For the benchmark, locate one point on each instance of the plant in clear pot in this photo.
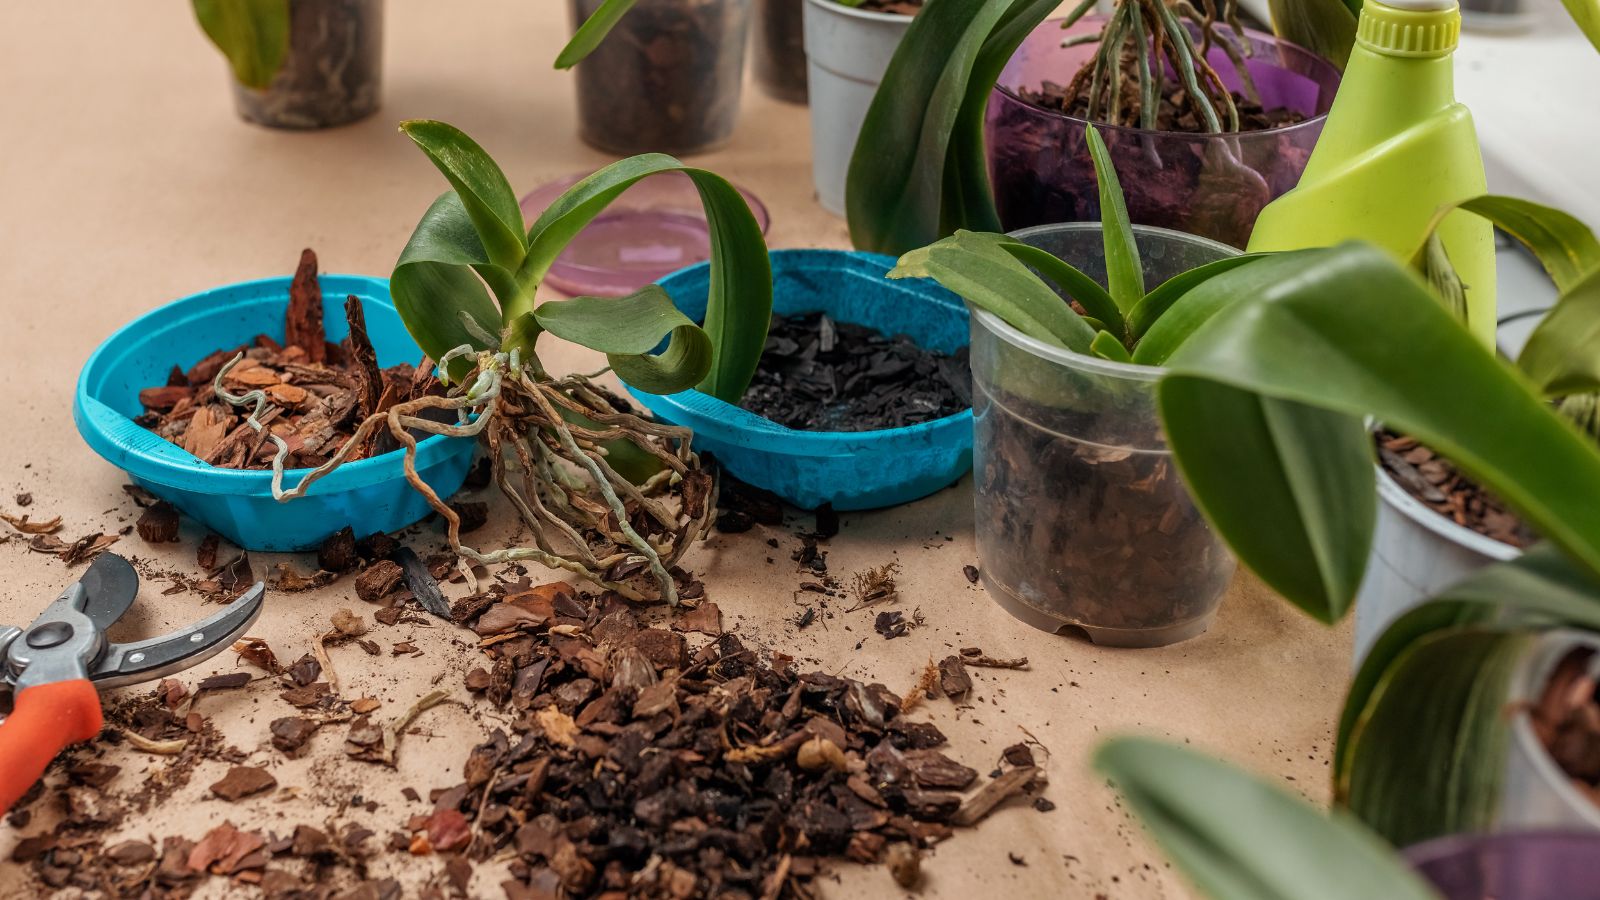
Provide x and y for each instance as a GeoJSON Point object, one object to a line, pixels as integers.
{"type": "Point", "coordinates": [663, 76]}
{"type": "Point", "coordinates": [608, 495]}
{"type": "Point", "coordinates": [299, 64]}
{"type": "Point", "coordinates": [1267, 409]}
{"type": "Point", "coordinates": [921, 169]}
{"type": "Point", "coordinates": [1083, 522]}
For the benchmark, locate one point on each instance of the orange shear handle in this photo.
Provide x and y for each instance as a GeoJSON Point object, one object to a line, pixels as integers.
{"type": "Point", "coordinates": [45, 719]}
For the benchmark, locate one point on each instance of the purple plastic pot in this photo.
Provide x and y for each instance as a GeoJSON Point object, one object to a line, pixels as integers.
{"type": "Point", "coordinates": [1529, 865]}
{"type": "Point", "coordinates": [1212, 185]}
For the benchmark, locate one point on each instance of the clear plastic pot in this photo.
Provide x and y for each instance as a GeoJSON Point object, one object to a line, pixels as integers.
{"type": "Point", "coordinates": [1213, 185]}
{"type": "Point", "coordinates": [666, 79]}
{"type": "Point", "coordinates": [779, 49]}
{"type": "Point", "coordinates": [1083, 523]}
{"type": "Point", "coordinates": [332, 73]}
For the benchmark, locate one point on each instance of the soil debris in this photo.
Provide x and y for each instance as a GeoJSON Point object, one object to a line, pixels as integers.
{"type": "Point", "coordinates": [158, 524]}
{"type": "Point", "coordinates": [243, 781]}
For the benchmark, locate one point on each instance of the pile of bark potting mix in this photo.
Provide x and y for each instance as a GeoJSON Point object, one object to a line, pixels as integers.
{"type": "Point", "coordinates": [627, 750]}
{"type": "Point", "coordinates": [318, 391]}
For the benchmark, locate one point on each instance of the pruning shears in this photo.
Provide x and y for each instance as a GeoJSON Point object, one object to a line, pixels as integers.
{"type": "Point", "coordinates": [55, 669]}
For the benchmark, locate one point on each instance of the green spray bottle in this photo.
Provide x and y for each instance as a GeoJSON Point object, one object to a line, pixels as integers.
{"type": "Point", "coordinates": [1396, 149]}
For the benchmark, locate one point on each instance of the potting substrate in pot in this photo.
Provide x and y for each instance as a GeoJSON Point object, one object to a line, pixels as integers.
{"type": "Point", "coordinates": [332, 74]}
{"type": "Point", "coordinates": [1434, 528]}
{"type": "Point", "coordinates": [156, 373]}
{"type": "Point", "coordinates": [851, 353]}
{"type": "Point", "coordinates": [666, 79]}
{"type": "Point", "coordinates": [1083, 523]}
{"type": "Point", "coordinates": [847, 51]}
{"type": "Point", "coordinates": [1177, 176]}
{"type": "Point", "coordinates": [1552, 774]}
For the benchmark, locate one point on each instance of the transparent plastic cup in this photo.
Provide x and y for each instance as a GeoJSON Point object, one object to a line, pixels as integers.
{"type": "Point", "coordinates": [666, 79]}
{"type": "Point", "coordinates": [778, 49]}
{"type": "Point", "coordinates": [1083, 523]}
{"type": "Point", "coordinates": [1213, 185]}
{"type": "Point", "coordinates": [1531, 865]}
{"type": "Point", "coordinates": [332, 73]}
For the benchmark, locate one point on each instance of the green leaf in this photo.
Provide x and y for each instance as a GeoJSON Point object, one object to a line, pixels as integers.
{"type": "Point", "coordinates": [981, 270]}
{"type": "Point", "coordinates": [1289, 486]}
{"type": "Point", "coordinates": [1156, 303]}
{"type": "Point", "coordinates": [1071, 282]}
{"type": "Point", "coordinates": [1423, 729]}
{"type": "Point", "coordinates": [593, 30]}
{"type": "Point", "coordinates": [252, 34]}
{"type": "Point", "coordinates": [1188, 309]}
{"type": "Point", "coordinates": [627, 329]}
{"type": "Point", "coordinates": [739, 302]}
{"type": "Point", "coordinates": [1238, 837]}
{"type": "Point", "coordinates": [1325, 27]}
{"type": "Point", "coordinates": [1106, 346]}
{"type": "Point", "coordinates": [1431, 751]}
{"type": "Point", "coordinates": [482, 187]}
{"type": "Point", "coordinates": [1124, 273]}
{"type": "Point", "coordinates": [918, 172]}
{"type": "Point", "coordinates": [1562, 355]}
{"type": "Point", "coordinates": [1540, 588]}
{"type": "Point", "coordinates": [433, 282]}
{"type": "Point", "coordinates": [1566, 247]}
{"type": "Point", "coordinates": [1586, 13]}
{"type": "Point", "coordinates": [1308, 336]}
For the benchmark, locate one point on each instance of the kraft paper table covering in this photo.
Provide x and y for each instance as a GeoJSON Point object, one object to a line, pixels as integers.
{"type": "Point", "coordinates": [126, 180]}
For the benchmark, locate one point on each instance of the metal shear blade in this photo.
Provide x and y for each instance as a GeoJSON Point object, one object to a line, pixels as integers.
{"type": "Point", "coordinates": [153, 658]}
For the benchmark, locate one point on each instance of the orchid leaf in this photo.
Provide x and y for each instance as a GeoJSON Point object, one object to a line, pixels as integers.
{"type": "Point", "coordinates": [1325, 27]}
{"type": "Point", "coordinates": [627, 329]}
{"type": "Point", "coordinates": [1124, 272]}
{"type": "Point", "coordinates": [1158, 302]}
{"type": "Point", "coordinates": [980, 269]}
{"type": "Point", "coordinates": [918, 172]}
{"type": "Point", "coordinates": [1072, 283]}
{"type": "Point", "coordinates": [252, 34]}
{"type": "Point", "coordinates": [739, 303]}
{"type": "Point", "coordinates": [593, 30]}
{"type": "Point", "coordinates": [1586, 13]}
{"type": "Point", "coordinates": [1562, 355]}
{"type": "Point", "coordinates": [1106, 346]}
{"type": "Point", "coordinates": [482, 187]}
{"type": "Point", "coordinates": [1301, 332]}
{"type": "Point", "coordinates": [1565, 246]}
{"type": "Point", "coordinates": [1238, 837]}
{"type": "Point", "coordinates": [433, 283]}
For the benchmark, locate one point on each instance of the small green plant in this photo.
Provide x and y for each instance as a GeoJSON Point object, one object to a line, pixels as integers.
{"type": "Point", "coordinates": [252, 34]}
{"type": "Point", "coordinates": [609, 496]}
{"type": "Point", "coordinates": [1119, 322]}
{"type": "Point", "coordinates": [593, 30]}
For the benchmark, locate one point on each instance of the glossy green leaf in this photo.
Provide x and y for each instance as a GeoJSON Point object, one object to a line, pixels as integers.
{"type": "Point", "coordinates": [1124, 272]}
{"type": "Point", "coordinates": [1106, 346]}
{"type": "Point", "coordinates": [593, 30]}
{"type": "Point", "coordinates": [1542, 588]}
{"type": "Point", "coordinates": [1192, 304]}
{"type": "Point", "coordinates": [918, 172]}
{"type": "Point", "coordinates": [1289, 486]}
{"type": "Point", "coordinates": [1071, 282]}
{"type": "Point", "coordinates": [1562, 356]}
{"type": "Point", "coordinates": [1308, 336]}
{"type": "Point", "coordinates": [978, 267]}
{"type": "Point", "coordinates": [1238, 837]}
{"type": "Point", "coordinates": [1566, 247]}
{"type": "Point", "coordinates": [1159, 301]}
{"type": "Point", "coordinates": [627, 329]}
{"type": "Point", "coordinates": [1325, 27]}
{"type": "Point", "coordinates": [739, 303]}
{"type": "Point", "coordinates": [252, 34]}
{"type": "Point", "coordinates": [482, 187]}
{"type": "Point", "coordinates": [434, 282]}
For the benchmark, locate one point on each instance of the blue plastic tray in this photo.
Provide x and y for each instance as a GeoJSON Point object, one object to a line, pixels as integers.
{"type": "Point", "coordinates": [851, 470]}
{"type": "Point", "coordinates": [369, 495]}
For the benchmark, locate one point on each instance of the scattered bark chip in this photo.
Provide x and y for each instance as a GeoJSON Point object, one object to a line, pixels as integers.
{"type": "Point", "coordinates": [243, 781]}
{"type": "Point", "coordinates": [158, 524]}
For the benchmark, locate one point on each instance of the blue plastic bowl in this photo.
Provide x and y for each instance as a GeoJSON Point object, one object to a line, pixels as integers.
{"type": "Point", "coordinates": [368, 495]}
{"type": "Point", "coordinates": [851, 470]}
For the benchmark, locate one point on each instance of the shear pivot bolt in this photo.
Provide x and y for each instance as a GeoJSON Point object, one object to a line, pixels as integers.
{"type": "Point", "coordinates": [50, 634]}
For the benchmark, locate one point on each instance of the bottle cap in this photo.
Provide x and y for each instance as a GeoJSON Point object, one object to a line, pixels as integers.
{"type": "Point", "coordinates": [1415, 28]}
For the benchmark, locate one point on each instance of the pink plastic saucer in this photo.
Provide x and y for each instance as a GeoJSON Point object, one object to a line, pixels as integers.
{"type": "Point", "coordinates": [653, 229]}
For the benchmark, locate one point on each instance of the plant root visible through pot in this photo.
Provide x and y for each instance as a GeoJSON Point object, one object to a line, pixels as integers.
{"type": "Point", "coordinates": [551, 442]}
